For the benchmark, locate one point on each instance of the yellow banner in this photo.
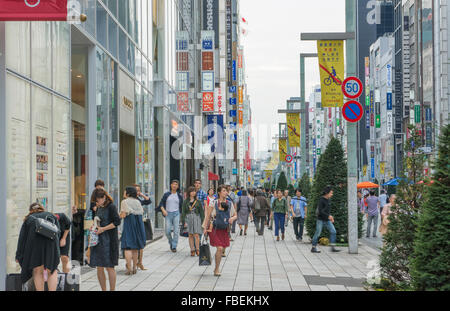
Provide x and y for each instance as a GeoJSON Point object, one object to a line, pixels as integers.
{"type": "Point", "coordinates": [282, 149]}
{"type": "Point", "coordinates": [331, 67]}
{"type": "Point", "coordinates": [382, 167]}
{"type": "Point", "coordinates": [293, 124]}
{"type": "Point", "coordinates": [364, 170]}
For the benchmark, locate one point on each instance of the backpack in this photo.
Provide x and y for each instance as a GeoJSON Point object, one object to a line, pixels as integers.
{"type": "Point", "coordinates": [222, 217]}
{"type": "Point", "coordinates": [257, 205]}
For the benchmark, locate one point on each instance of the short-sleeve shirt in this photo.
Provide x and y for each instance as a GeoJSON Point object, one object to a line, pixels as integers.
{"type": "Point", "coordinates": [202, 195]}
{"type": "Point", "coordinates": [64, 222]}
{"type": "Point", "coordinates": [173, 203]}
{"type": "Point", "coordinates": [382, 199]}
{"type": "Point", "coordinates": [372, 206]}
{"type": "Point", "coordinates": [299, 205]}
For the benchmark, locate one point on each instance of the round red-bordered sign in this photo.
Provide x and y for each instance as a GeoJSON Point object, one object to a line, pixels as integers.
{"type": "Point", "coordinates": [350, 84]}
{"type": "Point", "coordinates": [352, 111]}
{"type": "Point", "coordinates": [288, 158]}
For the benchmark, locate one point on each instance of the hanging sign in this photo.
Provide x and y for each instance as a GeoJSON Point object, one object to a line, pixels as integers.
{"type": "Point", "coordinates": [331, 67]}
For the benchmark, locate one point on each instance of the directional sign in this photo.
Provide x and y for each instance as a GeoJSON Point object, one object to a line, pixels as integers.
{"type": "Point", "coordinates": [352, 87]}
{"type": "Point", "coordinates": [352, 111]}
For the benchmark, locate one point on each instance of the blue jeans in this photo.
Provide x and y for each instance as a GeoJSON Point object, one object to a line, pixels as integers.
{"type": "Point", "coordinates": [319, 226]}
{"type": "Point", "coordinates": [279, 222]}
{"type": "Point", "coordinates": [173, 223]}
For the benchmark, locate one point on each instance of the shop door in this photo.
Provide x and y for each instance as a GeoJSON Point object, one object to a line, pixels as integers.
{"type": "Point", "coordinates": [127, 162]}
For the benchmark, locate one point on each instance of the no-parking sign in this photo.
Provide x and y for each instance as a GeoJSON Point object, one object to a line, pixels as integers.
{"type": "Point", "coordinates": [352, 87]}
{"type": "Point", "coordinates": [352, 111]}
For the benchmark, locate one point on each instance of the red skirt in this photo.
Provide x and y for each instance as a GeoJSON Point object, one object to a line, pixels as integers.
{"type": "Point", "coordinates": [219, 238]}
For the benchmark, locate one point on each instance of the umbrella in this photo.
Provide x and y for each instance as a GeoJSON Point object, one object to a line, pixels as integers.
{"type": "Point", "coordinates": [367, 184]}
{"type": "Point", "coordinates": [392, 182]}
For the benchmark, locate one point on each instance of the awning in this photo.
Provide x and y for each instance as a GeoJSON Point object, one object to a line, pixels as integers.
{"type": "Point", "coordinates": [212, 176]}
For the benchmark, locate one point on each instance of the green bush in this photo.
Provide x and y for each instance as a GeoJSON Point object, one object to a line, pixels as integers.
{"type": "Point", "coordinates": [282, 183]}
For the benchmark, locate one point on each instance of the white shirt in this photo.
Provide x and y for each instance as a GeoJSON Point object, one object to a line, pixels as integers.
{"type": "Point", "coordinates": [173, 203]}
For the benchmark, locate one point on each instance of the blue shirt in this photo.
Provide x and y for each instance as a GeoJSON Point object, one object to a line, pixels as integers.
{"type": "Point", "coordinates": [299, 205]}
{"type": "Point", "coordinates": [271, 201]}
{"type": "Point", "coordinates": [202, 195]}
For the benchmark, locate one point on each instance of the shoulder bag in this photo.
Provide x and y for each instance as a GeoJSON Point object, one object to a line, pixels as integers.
{"type": "Point", "coordinates": [46, 228]}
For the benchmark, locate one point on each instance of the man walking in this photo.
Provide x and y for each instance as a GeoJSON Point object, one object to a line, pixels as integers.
{"type": "Point", "coordinates": [324, 218]}
{"type": "Point", "coordinates": [373, 205]}
{"type": "Point", "coordinates": [298, 210]}
{"type": "Point", "coordinates": [170, 206]}
{"type": "Point", "coordinates": [202, 196]}
{"type": "Point", "coordinates": [260, 210]}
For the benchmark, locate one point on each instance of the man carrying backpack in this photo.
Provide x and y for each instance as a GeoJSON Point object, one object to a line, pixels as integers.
{"type": "Point", "coordinates": [298, 210]}
{"type": "Point", "coordinates": [260, 209]}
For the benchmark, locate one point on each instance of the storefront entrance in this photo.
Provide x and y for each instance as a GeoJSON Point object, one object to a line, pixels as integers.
{"type": "Point", "coordinates": [127, 162]}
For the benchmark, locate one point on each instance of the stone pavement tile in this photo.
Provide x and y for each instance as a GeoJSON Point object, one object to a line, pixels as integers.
{"type": "Point", "coordinates": [337, 287]}
{"type": "Point", "coordinates": [300, 288]}
{"type": "Point", "coordinates": [319, 288]}
{"type": "Point", "coordinates": [355, 289]}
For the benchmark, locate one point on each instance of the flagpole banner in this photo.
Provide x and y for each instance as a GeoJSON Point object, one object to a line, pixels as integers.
{"type": "Point", "coordinates": [293, 124]}
{"type": "Point", "coordinates": [282, 149]}
{"type": "Point", "coordinates": [331, 67]}
{"type": "Point", "coordinates": [33, 10]}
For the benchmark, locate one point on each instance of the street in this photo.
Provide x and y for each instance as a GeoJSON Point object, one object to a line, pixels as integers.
{"type": "Point", "coordinates": [253, 263]}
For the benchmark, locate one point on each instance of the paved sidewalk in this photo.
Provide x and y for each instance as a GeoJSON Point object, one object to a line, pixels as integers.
{"type": "Point", "coordinates": [253, 263]}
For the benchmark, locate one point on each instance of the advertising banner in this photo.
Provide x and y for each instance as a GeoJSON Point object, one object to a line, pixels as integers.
{"type": "Point", "coordinates": [293, 124]}
{"type": "Point", "coordinates": [182, 70]}
{"type": "Point", "coordinates": [183, 101]}
{"type": "Point", "coordinates": [208, 81]}
{"type": "Point", "coordinates": [229, 42]}
{"type": "Point", "coordinates": [215, 133]}
{"type": "Point", "coordinates": [208, 102]}
{"type": "Point", "coordinates": [282, 149]}
{"type": "Point", "coordinates": [207, 61]}
{"type": "Point", "coordinates": [37, 10]}
{"type": "Point", "coordinates": [211, 18]}
{"type": "Point", "coordinates": [331, 67]}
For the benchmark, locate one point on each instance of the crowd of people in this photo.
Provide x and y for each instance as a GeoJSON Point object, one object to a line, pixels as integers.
{"type": "Point", "coordinates": [211, 215]}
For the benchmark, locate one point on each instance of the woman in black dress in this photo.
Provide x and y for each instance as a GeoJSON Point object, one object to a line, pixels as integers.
{"type": "Point", "coordinates": [36, 253]}
{"type": "Point", "coordinates": [106, 253]}
{"type": "Point", "coordinates": [64, 241]}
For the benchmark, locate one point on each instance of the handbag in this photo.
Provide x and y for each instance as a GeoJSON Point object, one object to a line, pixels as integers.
{"type": "Point", "coordinates": [183, 231]}
{"type": "Point", "coordinates": [204, 258]}
{"type": "Point", "coordinates": [93, 233]}
{"type": "Point", "coordinates": [46, 228]}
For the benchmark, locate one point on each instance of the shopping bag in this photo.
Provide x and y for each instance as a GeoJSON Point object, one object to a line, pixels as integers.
{"type": "Point", "coordinates": [68, 282]}
{"type": "Point", "coordinates": [148, 230]}
{"type": "Point", "coordinates": [93, 233]}
{"type": "Point", "coordinates": [183, 231]}
{"type": "Point", "coordinates": [204, 259]}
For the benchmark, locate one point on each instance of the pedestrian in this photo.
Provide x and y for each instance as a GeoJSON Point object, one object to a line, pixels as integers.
{"type": "Point", "coordinates": [288, 200]}
{"type": "Point", "coordinates": [251, 195]}
{"type": "Point", "coordinates": [171, 208]}
{"type": "Point", "coordinates": [298, 209]}
{"type": "Point", "coordinates": [216, 224]}
{"type": "Point", "coordinates": [373, 205]}
{"type": "Point", "coordinates": [260, 209]}
{"type": "Point", "coordinates": [202, 196]}
{"type": "Point", "coordinates": [192, 217]}
{"type": "Point", "coordinates": [211, 197]}
{"type": "Point", "coordinates": [64, 241]}
{"type": "Point", "coordinates": [383, 201]}
{"type": "Point", "coordinates": [324, 218]}
{"type": "Point", "coordinates": [362, 207]}
{"type": "Point", "coordinates": [272, 199]}
{"type": "Point", "coordinates": [385, 214]}
{"type": "Point", "coordinates": [243, 211]}
{"type": "Point", "coordinates": [133, 235]}
{"type": "Point", "coordinates": [234, 199]}
{"type": "Point", "coordinates": [99, 184]}
{"type": "Point", "coordinates": [145, 200]}
{"type": "Point", "coordinates": [279, 212]}
{"type": "Point", "coordinates": [105, 255]}
{"type": "Point", "coordinates": [36, 253]}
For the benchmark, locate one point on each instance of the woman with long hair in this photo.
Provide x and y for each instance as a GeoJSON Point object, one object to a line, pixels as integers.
{"type": "Point", "coordinates": [36, 253]}
{"type": "Point", "coordinates": [192, 217]}
{"type": "Point", "coordinates": [105, 255]}
{"type": "Point", "coordinates": [216, 224]}
{"type": "Point", "coordinates": [243, 211]}
{"type": "Point", "coordinates": [133, 235]}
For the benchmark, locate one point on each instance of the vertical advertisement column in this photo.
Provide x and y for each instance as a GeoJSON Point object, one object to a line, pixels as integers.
{"type": "Point", "coordinates": [182, 71]}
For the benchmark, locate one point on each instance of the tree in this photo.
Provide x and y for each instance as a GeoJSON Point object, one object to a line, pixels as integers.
{"type": "Point", "coordinates": [331, 171]}
{"type": "Point", "coordinates": [291, 190]}
{"type": "Point", "coordinates": [305, 186]}
{"type": "Point", "coordinates": [399, 240]}
{"type": "Point", "coordinates": [430, 264]}
{"type": "Point", "coordinates": [282, 183]}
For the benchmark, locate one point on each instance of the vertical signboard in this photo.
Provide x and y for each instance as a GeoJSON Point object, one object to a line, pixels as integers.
{"type": "Point", "coordinates": [229, 43]}
{"type": "Point", "coordinates": [331, 67]}
{"type": "Point", "coordinates": [389, 115]}
{"type": "Point", "coordinates": [293, 124]}
{"type": "Point", "coordinates": [182, 70]}
{"type": "Point", "coordinates": [215, 133]}
{"type": "Point", "coordinates": [207, 43]}
{"type": "Point", "coordinates": [211, 18]}
{"type": "Point", "coordinates": [282, 149]}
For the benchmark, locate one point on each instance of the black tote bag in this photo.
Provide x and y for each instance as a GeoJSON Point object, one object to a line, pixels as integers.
{"type": "Point", "coordinates": [204, 259]}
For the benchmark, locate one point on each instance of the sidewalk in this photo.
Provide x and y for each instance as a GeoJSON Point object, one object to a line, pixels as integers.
{"type": "Point", "coordinates": [253, 263]}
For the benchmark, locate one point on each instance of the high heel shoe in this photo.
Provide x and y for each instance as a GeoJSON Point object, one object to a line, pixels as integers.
{"type": "Point", "coordinates": [197, 252]}
{"type": "Point", "coordinates": [141, 266]}
{"type": "Point", "coordinates": [192, 253]}
{"type": "Point", "coordinates": [129, 271]}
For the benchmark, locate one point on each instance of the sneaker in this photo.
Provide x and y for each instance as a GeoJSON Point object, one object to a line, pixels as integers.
{"type": "Point", "coordinates": [174, 250]}
{"type": "Point", "coordinates": [335, 250]}
{"type": "Point", "coordinates": [278, 238]}
{"type": "Point", "coordinates": [314, 250]}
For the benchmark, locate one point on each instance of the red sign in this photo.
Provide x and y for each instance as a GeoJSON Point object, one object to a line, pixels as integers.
{"type": "Point", "coordinates": [352, 87]}
{"type": "Point", "coordinates": [352, 111]}
{"type": "Point", "coordinates": [33, 10]}
{"type": "Point", "coordinates": [183, 102]}
{"type": "Point", "coordinates": [182, 61]}
{"type": "Point", "coordinates": [207, 61]}
{"type": "Point", "coordinates": [208, 102]}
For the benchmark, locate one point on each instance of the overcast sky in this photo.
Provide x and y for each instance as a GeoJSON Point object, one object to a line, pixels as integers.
{"type": "Point", "coordinates": [272, 52]}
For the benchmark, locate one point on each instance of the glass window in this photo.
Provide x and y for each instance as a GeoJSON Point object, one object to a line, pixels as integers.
{"type": "Point", "coordinates": [144, 72]}
{"type": "Point", "coordinates": [102, 33]}
{"type": "Point", "coordinates": [112, 6]}
{"type": "Point", "coordinates": [114, 134]}
{"type": "Point", "coordinates": [18, 47]}
{"type": "Point", "coordinates": [132, 19]}
{"type": "Point", "coordinates": [131, 57]}
{"type": "Point", "coordinates": [102, 116]}
{"type": "Point", "coordinates": [138, 23]}
{"type": "Point", "coordinates": [41, 48]}
{"type": "Point", "coordinates": [112, 36]}
{"type": "Point", "coordinates": [144, 18]}
{"type": "Point", "coordinates": [123, 13]}
{"type": "Point", "coordinates": [138, 65]}
{"type": "Point", "coordinates": [89, 7]}
{"type": "Point", "coordinates": [61, 57]}
{"type": "Point", "coordinates": [123, 47]}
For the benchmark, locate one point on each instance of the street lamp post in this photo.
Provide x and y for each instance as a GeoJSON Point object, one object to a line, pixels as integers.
{"type": "Point", "coordinates": [352, 170]}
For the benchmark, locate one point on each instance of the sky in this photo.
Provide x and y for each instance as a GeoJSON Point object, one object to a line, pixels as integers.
{"type": "Point", "coordinates": [272, 53]}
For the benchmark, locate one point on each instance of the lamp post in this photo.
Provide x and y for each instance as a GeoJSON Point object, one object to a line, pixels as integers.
{"type": "Point", "coordinates": [352, 169]}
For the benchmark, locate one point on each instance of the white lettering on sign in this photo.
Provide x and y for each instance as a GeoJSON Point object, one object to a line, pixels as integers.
{"type": "Point", "coordinates": [32, 5]}
{"type": "Point", "coordinates": [209, 15]}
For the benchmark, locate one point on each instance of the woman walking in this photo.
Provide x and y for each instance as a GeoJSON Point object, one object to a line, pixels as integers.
{"type": "Point", "coordinates": [385, 214]}
{"type": "Point", "coordinates": [211, 197]}
{"type": "Point", "coordinates": [36, 253]}
{"type": "Point", "coordinates": [133, 235]}
{"type": "Point", "coordinates": [106, 253]}
{"type": "Point", "coordinates": [243, 211]}
{"type": "Point", "coordinates": [216, 224]}
{"type": "Point", "coordinates": [64, 242]}
{"type": "Point", "coordinates": [192, 217]}
{"type": "Point", "coordinates": [280, 210]}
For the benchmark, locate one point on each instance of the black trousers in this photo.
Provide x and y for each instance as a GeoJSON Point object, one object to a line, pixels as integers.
{"type": "Point", "coordinates": [259, 224]}
{"type": "Point", "coordinates": [298, 226]}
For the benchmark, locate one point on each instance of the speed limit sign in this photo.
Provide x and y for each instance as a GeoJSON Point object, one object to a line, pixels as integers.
{"type": "Point", "coordinates": [352, 87]}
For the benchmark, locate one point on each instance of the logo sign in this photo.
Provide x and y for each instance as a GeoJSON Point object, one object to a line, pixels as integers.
{"type": "Point", "coordinates": [232, 89]}
{"type": "Point", "coordinates": [233, 101]}
{"type": "Point", "coordinates": [208, 81]}
{"type": "Point", "coordinates": [389, 75]}
{"type": "Point", "coordinates": [208, 102]}
{"type": "Point", "coordinates": [352, 111]}
{"type": "Point", "coordinates": [183, 102]}
{"type": "Point", "coordinates": [28, 3]}
{"type": "Point", "coordinates": [389, 101]}
{"type": "Point", "coordinates": [40, 10]}
{"type": "Point", "coordinates": [352, 87]}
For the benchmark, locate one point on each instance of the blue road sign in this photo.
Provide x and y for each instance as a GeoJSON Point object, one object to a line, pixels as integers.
{"type": "Point", "coordinates": [352, 111]}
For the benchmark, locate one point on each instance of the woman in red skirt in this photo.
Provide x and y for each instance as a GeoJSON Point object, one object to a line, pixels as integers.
{"type": "Point", "coordinates": [217, 219]}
